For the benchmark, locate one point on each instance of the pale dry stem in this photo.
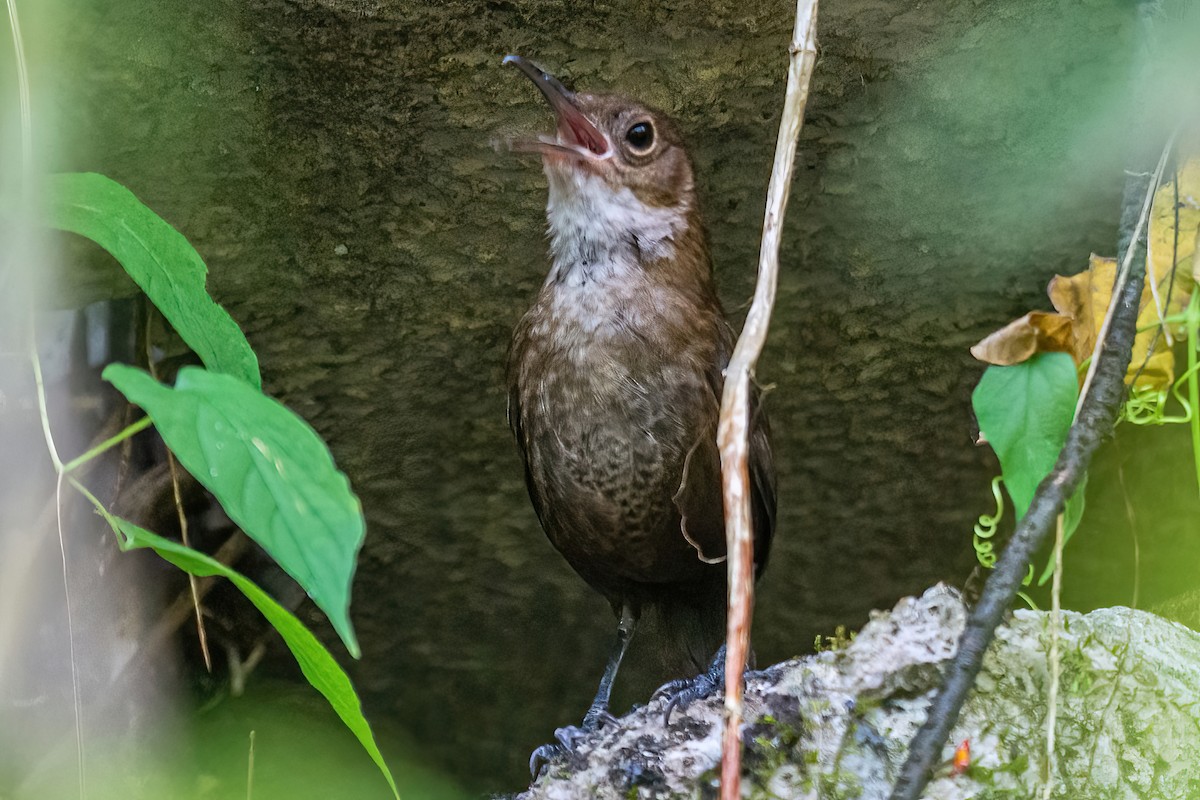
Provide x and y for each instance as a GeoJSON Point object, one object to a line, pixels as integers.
{"type": "Point", "coordinates": [1055, 660]}
{"type": "Point", "coordinates": [733, 429]}
{"type": "Point", "coordinates": [1123, 274]}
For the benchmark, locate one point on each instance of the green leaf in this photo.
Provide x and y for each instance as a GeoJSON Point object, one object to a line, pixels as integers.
{"type": "Point", "coordinates": [1024, 412]}
{"type": "Point", "coordinates": [319, 667]}
{"type": "Point", "coordinates": [269, 470]}
{"type": "Point", "coordinates": [159, 259]}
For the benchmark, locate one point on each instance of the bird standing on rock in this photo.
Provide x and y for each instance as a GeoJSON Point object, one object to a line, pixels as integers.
{"type": "Point", "coordinates": [614, 386]}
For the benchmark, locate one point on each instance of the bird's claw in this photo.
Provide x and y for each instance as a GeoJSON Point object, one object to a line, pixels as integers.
{"type": "Point", "coordinates": [542, 756]}
{"type": "Point", "coordinates": [568, 738]}
{"type": "Point", "coordinates": [671, 688]}
{"type": "Point", "coordinates": [594, 720]}
{"type": "Point", "coordinates": [679, 693]}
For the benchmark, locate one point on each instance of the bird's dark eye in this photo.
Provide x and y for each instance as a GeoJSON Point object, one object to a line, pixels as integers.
{"type": "Point", "coordinates": [640, 137]}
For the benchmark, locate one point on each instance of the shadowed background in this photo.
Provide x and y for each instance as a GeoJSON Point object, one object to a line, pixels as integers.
{"type": "Point", "coordinates": [332, 161]}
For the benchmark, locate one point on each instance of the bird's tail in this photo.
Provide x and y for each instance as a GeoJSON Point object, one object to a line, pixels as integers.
{"type": "Point", "coordinates": [691, 622]}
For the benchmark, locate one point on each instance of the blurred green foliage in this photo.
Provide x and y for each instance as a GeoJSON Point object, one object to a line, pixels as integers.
{"type": "Point", "coordinates": [301, 750]}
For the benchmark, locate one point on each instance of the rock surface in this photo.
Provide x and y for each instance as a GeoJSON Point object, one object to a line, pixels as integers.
{"type": "Point", "coordinates": [837, 724]}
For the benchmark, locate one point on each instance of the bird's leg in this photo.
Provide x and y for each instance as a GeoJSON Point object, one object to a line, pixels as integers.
{"type": "Point", "coordinates": [684, 690]}
{"type": "Point", "coordinates": [597, 715]}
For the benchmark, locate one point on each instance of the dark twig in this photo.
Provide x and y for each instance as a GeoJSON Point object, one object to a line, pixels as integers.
{"type": "Point", "coordinates": [180, 609]}
{"type": "Point", "coordinates": [1097, 415]}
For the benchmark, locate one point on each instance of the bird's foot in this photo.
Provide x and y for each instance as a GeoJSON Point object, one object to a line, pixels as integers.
{"type": "Point", "coordinates": [679, 693]}
{"type": "Point", "coordinates": [569, 737]}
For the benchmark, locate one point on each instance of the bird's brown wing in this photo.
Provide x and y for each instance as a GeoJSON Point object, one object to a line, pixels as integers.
{"type": "Point", "coordinates": [762, 479]}
{"type": "Point", "coordinates": [518, 430]}
{"type": "Point", "coordinates": [515, 422]}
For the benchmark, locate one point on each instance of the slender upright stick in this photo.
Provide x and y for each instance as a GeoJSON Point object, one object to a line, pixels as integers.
{"type": "Point", "coordinates": [733, 430]}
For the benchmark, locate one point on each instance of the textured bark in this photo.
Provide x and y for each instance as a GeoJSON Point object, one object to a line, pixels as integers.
{"type": "Point", "coordinates": [837, 724]}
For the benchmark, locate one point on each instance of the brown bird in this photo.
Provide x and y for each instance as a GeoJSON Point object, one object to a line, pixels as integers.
{"type": "Point", "coordinates": [614, 384]}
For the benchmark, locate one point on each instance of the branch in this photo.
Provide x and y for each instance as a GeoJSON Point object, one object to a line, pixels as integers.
{"type": "Point", "coordinates": [733, 428]}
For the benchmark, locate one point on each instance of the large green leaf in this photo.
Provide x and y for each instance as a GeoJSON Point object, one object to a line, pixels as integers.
{"type": "Point", "coordinates": [1024, 412]}
{"type": "Point", "coordinates": [159, 259]}
{"type": "Point", "coordinates": [269, 470]}
{"type": "Point", "coordinates": [319, 667]}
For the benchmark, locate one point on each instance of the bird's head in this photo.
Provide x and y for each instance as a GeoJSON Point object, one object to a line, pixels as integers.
{"type": "Point", "coordinates": [617, 168]}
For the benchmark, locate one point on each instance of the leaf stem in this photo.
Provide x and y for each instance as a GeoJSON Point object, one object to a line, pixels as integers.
{"type": "Point", "coordinates": [83, 490]}
{"type": "Point", "coordinates": [1162, 323]}
{"type": "Point", "coordinates": [41, 397]}
{"type": "Point", "coordinates": [26, 121]}
{"type": "Point", "coordinates": [76, 696]}
{"type": "Point", "coordinates": [107, 444]}
{"type": "Point", "coordinates": [1054, 658]}
{"type": "Point", "coordinates": [22, 93]}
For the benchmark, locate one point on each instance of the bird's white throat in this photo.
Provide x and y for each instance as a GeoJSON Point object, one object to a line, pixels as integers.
{"type": "Point", "coordinates": [599, 233]}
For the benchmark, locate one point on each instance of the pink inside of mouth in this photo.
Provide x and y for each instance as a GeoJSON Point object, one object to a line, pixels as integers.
{"type": "Point", "coordinates": [576, 129]}
{"type": "Point", "coordinates": [577, 139]}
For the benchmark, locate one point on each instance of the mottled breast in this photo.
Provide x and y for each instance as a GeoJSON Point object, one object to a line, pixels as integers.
{"type": "Point", "coordinates": [611, 396]}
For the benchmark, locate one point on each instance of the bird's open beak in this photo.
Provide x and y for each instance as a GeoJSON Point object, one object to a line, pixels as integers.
{"type": "Point", "coordinates": [577, 136]}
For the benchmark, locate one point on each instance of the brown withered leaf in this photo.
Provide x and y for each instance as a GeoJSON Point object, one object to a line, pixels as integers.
{"type": "Point", "coordinates": [1166, 251]}
{"type": "Point", "coordinates": [1036, 332]}
{"type": "Point", "coordinates": [1081, 301]}
{"type": "Point", "coordinates": [1085, 298]}
{"type": "Point", "coordinates": [1072, 296]}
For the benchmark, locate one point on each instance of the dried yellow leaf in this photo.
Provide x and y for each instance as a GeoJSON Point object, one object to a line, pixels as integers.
{"type": "Point", "coordinates": [1166, 250]}
{"type": "Point", "coordinates": [1082, 300]}
{"type": "Point", "coordinates": [1072, 297]}
{"type": "Point", "coordinates": [1036, 332]}
{"type": "Point", "coordinates": [1152, 364]}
